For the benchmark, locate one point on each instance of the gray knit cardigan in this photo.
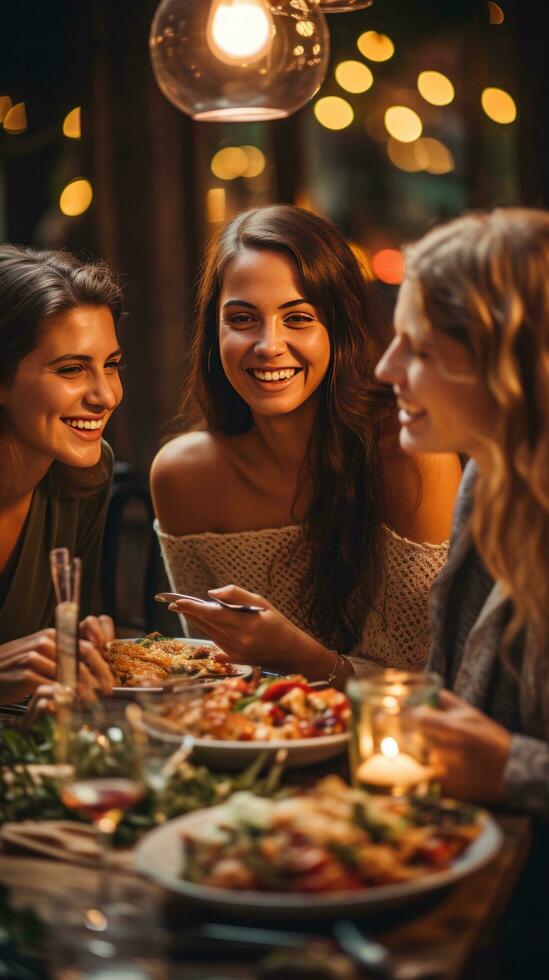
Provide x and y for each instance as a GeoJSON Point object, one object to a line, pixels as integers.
{"type": "Point", "coordinates": [526, 775]}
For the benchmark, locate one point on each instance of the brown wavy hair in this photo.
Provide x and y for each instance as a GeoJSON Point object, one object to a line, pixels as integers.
{"type": "Point", "coordinates": [342, 472]}
{"type": "Point", "coordinates": [485, 281]}
{"type": "Point", "coordinates": [35, 285]}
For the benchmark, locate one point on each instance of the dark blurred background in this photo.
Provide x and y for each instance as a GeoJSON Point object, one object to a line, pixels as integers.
{"type": "Point", "coordinates": [154, 183]}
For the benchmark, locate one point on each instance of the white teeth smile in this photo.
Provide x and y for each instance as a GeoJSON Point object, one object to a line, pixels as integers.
{"type": "Point", "coordinates": [84, 423]}
{"type": "Point", "coordinates": [280, 375]}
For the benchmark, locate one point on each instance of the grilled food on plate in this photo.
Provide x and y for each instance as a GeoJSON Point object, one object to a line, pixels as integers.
{"type": "Point", "coordinates": [155, 657]}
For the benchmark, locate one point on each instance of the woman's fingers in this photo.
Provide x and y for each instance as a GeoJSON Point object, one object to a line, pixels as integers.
{"type": "Point", "coordinates": [97, 629]}
{"type": "Point", "coordinates": [98, 668]}
{"type": "Point", "coordinates": [447, 700]}
{"type": "Point", "coordinates": [233, 593]}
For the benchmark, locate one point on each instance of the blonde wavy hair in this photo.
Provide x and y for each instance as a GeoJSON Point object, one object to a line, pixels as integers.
{"type": "Point", "coordinates": [485, 281]}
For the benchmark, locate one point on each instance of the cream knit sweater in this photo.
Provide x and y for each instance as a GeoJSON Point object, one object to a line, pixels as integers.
{"type": "Point", "coordinates": [272, 562]}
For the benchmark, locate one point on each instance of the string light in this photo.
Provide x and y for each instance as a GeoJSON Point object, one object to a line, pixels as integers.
{"type": "Point", "coordinates": [5, 106]}
{"type": "Point", "coordinates": [499, 105]}
{"type": "Point", "coordinates": [354, 76]}
{"type": "Point", "coordinates": [435, 87]}
{"type": "Point", "coordinates": [333, 112]}
{"type": "Point", "coordinates": [72, 127]}
{"type": "Point", "coordinates": [375, 46]}
{"type": "Point", "coordinates": [76, 197]}
{"type": "Point", "coordinates": [403, 123]}
{"type": "Point", "coordinates": [15, 120]}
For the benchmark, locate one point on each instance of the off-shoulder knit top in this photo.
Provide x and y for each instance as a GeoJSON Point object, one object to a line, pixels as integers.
{"type": "Point", "coordinates": [272, 562]}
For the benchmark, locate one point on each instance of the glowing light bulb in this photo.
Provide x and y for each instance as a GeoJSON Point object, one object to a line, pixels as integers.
{"type": "Point", "coordinates": [389, 747]}
{"type": "Point", "coordinates": [239, 31]}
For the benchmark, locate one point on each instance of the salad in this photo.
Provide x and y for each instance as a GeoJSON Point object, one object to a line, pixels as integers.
{"type": "Point", "coordinates": [328, 838]}
{"type": "Point", "coordinates": [280, 708]}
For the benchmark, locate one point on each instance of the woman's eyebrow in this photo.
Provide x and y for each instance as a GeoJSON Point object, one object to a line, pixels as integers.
{"type": "Point", "coordinates": [251, 306]}
{"type": "Point", "coordinates": [81, 357]}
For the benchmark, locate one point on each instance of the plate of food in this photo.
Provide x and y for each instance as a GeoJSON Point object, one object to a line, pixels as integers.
{"type": "Point", "coordinates": [328, 850]}
{"type": "Point", "coordinates": [233, 721]}
{"type": "Point", "coordinates": [148, 662]}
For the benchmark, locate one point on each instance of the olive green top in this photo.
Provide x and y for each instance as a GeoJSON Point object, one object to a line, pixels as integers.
{"type": "Point", "coordinates": [55, 520]}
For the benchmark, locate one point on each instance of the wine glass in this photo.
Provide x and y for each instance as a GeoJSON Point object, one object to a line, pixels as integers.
{"type": "Point", "coordinates": [163, 749]}
{"type": "Point", "coordinates": [100, 771]}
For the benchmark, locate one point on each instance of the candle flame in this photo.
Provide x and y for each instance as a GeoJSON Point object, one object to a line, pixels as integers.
{"type": "Point", "coordinates": [389, 747]}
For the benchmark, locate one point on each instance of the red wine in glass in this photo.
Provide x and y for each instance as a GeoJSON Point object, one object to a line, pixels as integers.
{"type": "Point", "coordinates": [98, 797]}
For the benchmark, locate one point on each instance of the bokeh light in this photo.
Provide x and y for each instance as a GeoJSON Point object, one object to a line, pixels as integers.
{"type": "Point", "coordinates": [495, 13]}
{"type": "Point", "coordinates": [76, 197]}
{"type": "Point", "coordinates": [256, 161]}
{"type": "Point", "coordinates": [438, 159]}
{"type": "Point", "coordinates": [229, 163]}
{"type": "Point", "coordinates": [403, 123]}
{"type": "Point", "coordinates": [405, 156]}
{"type": "Point", "coordinates": [435, 87]}
{"type": "Point", "coordinates": [375, 47]}
{"type": "Point", "coordinates": [72, 124]}
{"type": "Point", "coordinates": [5, 106]}
{"type": "Point", "coordinates": [354, 76]}
{"type": "Point", "coordinates": [388, 266]}
{"type": "Point", "coordinates": [499, 105]}
{"type": "Point", "coordinates": [15, 120]}
{"type": "Point", "coordinates": [216, 205]}
{"type": "Point", "coordinates": [333, 112]}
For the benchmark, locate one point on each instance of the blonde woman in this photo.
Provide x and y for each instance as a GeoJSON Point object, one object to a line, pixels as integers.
{"type": "Point", "coordinates": [469, 365]}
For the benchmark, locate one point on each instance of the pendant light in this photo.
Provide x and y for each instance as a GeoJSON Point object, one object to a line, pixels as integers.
{"type": "Point", "coordinates": [239, 60]}
{"type": "Point", "coordinates": [342, 6]}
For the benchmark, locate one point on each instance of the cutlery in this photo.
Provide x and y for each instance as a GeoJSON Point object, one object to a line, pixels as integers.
{"type": "Point", "coordinates": [235, 606]}
{"type": "Point", "coordinates": [363, 951]}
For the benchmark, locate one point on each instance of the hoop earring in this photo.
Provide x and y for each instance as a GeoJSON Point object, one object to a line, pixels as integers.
{"type": "Point", "coordinates": [209, 361]}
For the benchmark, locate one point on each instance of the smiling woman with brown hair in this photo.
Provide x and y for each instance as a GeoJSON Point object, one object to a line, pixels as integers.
{"type": "Point", "coordinates": [59, 384]}
{"type": "Point", "coordinates": [292, 483]}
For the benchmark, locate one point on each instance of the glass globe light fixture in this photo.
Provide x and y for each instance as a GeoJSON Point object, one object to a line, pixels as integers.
{"type": "Point", "coordinates": [342, 6]}
{"type": "Point", "coordinates": [239, 60]}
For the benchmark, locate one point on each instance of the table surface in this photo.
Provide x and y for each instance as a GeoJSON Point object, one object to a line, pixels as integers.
{"type": "Point", "coordinates": [436, 939]}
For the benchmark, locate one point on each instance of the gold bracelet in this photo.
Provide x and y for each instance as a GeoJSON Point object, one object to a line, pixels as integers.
{"type": "Point", "coordinates": [338, 659]}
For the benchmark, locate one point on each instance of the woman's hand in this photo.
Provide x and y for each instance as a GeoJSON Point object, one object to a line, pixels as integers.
{"type": "Point", "coordinates": [267, 638]}
{"type": "Point", "coordinates": [97, 629]}
{"type": "Point", "coordinates": [30, 661]}
{"type": "Point", "coordinates": [25, 664]}
{"type": "Point", "coordinates": [471, 748]}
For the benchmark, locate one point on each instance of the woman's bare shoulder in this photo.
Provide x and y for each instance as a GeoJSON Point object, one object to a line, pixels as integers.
{"type": "Point", "coordinates": [420, 493]}
{"type": "Point", "coordinates": [185, 477]}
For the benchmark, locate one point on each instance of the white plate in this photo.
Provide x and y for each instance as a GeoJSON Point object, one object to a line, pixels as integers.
{"type": "Point", "coordinates": [237, 755]}
{"type": "Point", "coordinates": [238, 670]}
{"type": "Point", "coordinates": [160, 856]}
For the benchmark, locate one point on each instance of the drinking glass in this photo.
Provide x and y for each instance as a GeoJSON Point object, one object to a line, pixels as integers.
{"type": "Point", "coordinates": [163, 750]}
{"type": "Point", "coordinates": [388, 751]}
{"type": "Point", "coordinates": [100, 771]}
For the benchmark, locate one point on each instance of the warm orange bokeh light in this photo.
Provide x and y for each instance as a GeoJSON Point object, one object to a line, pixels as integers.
{"type": "Point", "coordinates": [388, 266]}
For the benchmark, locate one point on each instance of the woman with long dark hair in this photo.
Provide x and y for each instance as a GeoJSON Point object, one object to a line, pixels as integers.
{"type": "Point", "coordinates": [292, 483]}
{"type": "Point", "coordinates": [59, 384]}
{"type": "Point", "coordinates": [470, 368]}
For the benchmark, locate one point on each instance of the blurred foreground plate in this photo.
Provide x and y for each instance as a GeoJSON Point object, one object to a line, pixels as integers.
{"type": "Point", "coordinates": [160, 855]}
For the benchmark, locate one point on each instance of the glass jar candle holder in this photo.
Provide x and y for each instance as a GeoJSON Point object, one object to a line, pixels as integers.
{"type": "Point", "coordinates": [388, 751]}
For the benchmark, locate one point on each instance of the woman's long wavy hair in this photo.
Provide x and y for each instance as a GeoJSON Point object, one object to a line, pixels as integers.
{"type": "Point", "coordinates": [485, 281]}
{"type": "Point", "coordinates": [342, 472]}
{"type": "Point", "coordinates": [36, 285]}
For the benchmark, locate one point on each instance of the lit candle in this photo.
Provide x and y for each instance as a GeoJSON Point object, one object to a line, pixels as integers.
{"type": "Point", "coordinates": [391, 768]}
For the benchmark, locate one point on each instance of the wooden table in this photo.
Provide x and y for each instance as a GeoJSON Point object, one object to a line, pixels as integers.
{"type": "Point", "coordinates": [436, 939]}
